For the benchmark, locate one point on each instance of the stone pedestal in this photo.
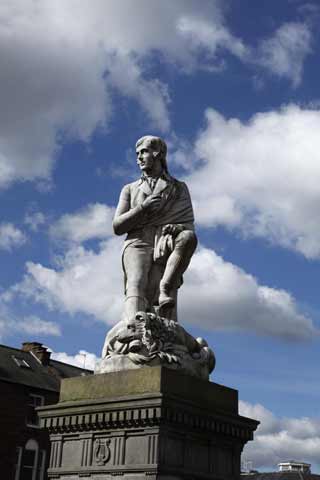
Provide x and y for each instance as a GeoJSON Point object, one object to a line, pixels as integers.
{"type": "Point", "coordinates": [148, 423]}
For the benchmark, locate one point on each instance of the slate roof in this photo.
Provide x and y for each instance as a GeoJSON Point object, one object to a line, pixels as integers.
{"type": "Point", "coordinates": [280, 476]}
{"type": "Point", "coordinates": [46, 377]}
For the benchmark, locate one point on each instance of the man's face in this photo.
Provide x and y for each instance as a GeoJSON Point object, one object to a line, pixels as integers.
{"type": "Point", "coordinates": [145, 158]}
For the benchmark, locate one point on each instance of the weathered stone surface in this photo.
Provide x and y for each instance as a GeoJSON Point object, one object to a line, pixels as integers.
{"type": "Point", "coordinates": [152, 421]}
{"type": "Point", "coordinates": [140, 419]}
{"type": "Point", "coordinates": [153, 340]}
{"type": "Point", "coordinates": [156, 214]}
{"type": "Point", "coordinates": [150, 380]}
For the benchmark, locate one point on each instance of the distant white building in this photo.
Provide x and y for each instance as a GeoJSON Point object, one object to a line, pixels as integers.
{"type": "Point", "coordinates": [293, 466]}
{"type": "Point", "coordinates": [290, 470]}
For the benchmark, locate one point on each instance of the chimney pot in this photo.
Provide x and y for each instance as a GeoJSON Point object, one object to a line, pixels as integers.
{"type": "Point", "coordinates": [38, 350]}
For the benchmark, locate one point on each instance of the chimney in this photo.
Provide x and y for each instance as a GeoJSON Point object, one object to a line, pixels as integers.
{"type": "Point", "coordinates": [37, 349]}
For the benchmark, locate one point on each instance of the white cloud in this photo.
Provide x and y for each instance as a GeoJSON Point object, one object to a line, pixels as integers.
{"type": "Point", "coordinates": [11, 237]}
{"type": "Point", "coordinates": [279, 439]}
{"type": "Point", "coordinates": [202, 34]}
{"type": "Point", "coordinates": [33, 219]}
{"type": "Point", "coordinates": [11, 324]}
{"type": "Point", "coordinates": [282, 53]}
{"type": "Point", "coordinates": [216, 294]}
{"type": "Point", "coordinates": [285, 51]}
{"type": "Point", "coordinates": [219, 295]}
{"type": "Point", "coordinates": [52, 83]}
{"type": "Point", "coordinates": [261, 177]}
{"type": "Point", "coordinates": [62, 61]}
{"type": "Point", "coordinates": [93, 221]}
{"type": "Point", "coordinates": [83, 359]}
{"type": "Point", "coordinates": [33, 325]}
{"type": "Point", "coordinates": [84, 281]}
{"type": "Point", "coordinates": [127, 76]}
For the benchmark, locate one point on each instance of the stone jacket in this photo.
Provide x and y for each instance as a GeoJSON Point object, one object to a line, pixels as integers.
{"type": "Point", "coordinates": [144, 228]}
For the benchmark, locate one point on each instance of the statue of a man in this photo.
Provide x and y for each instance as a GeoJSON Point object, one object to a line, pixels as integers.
{"type": "Point", "coordinates": [156, 214]}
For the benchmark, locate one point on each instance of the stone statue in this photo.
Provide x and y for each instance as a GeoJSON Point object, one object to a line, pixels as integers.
{"type": "Point", "coordinates": [155, 212]}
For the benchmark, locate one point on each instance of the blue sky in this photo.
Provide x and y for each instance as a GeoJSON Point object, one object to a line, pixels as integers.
{"type": "Point", "coordinates": [233, 89]}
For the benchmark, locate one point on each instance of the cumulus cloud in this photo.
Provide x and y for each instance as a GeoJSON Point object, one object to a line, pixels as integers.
{"type": "Point", "coordinates": [216, 294]}
{"type": "Point", "coordinates": [285, 51]}
{"type": "Point", "coordinates": [82, 359]}
{"type": "Point", "coordinates": [44, 88]}
{"type": "Point", "coordinates": [63, 61]}
{"type": "Point", "coordinates": [84, 281]}
{"type": "Point", "coordinates": [11, 237]}
{"type": "Point", "coordinates": [261, 176]}
{"type": "Point", "coordinates": [210, 37]}
{"type": "Point", "coordinates": [282, 53]}
{"type": "Point", "coordinates": [11, 324]}
{"type": "Point", "coordinates": [219, 295]}
{"type": "Point", "coordinates": [279, 439]}
{"type": "Point", "coordinates": [93, 221]}
{"type": "Point", "coordinates": [34, 219]}
{"type": "Point", "coordinates": [34, 325]}
{"type": "Point", "coordinates": [152, 95]}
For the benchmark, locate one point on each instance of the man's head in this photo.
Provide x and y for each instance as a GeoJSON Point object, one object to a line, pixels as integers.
{"type": "Point", "coordinates": [154, 146]}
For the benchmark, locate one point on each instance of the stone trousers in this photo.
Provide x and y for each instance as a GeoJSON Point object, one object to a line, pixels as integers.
{"type": "Point", "coordinates": [143, 275]}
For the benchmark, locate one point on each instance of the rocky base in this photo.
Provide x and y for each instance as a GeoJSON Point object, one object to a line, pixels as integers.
{"type": "Point", "coordinates": [153, 340]}
{"type": "Point", "coordinates": [186, 365]}
{"type": "Point", "coordinates": [147, 422]}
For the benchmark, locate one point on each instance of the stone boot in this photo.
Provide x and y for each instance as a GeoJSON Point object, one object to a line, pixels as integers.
{"type": "Point", "coordinates": [165, 300]}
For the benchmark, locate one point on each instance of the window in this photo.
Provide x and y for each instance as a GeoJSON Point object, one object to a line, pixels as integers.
{"type": "Point", "coordinates": [17, 463]}
{"type": "Point", "coordinates": [28, 464]}
{"type": "Point", "coordinates": [41, 465]}
{"type": "Point", "coordinates": [21, 362]}
{"type": "Point", "coordinates": [32, 416]}
{"type": "Point", "coordinates": [29, 461]}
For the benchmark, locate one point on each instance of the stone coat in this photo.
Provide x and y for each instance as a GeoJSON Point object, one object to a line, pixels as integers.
{"type": "Point", "coordinates": [145, 230]}
{"type": "Point", "coordinates": [175, 208]}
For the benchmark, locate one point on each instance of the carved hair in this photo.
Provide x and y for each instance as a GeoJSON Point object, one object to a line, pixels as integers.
{"type": "Point", "coordinates": [158, 146]}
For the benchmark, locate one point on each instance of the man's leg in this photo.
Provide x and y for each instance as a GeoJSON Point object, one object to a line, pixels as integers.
{"type": "Point", "coordinates": [137, 262]}
{"type": "Point", "coordinates": [178, 261]}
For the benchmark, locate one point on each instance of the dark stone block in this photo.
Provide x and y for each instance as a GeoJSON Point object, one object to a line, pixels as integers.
{"type": "Point", "coordinates": [150, 422]}
{"type": "Point", "coordinates": [150, 380]}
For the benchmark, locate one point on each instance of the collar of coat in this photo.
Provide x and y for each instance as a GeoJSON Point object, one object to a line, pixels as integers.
{"type": "Point", "coordinates": [162, 183]}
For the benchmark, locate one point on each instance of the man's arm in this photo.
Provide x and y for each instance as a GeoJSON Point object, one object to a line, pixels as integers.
{"type": "Point", "coordinates": [126, 218]}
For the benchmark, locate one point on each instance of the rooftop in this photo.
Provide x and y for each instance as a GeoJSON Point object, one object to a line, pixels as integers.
{"type": "Point", "coordinates": [32, 366]}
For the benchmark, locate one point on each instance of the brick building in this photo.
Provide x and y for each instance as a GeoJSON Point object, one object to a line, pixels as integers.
{"type": "Point", "coordinates": [28, 378]}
